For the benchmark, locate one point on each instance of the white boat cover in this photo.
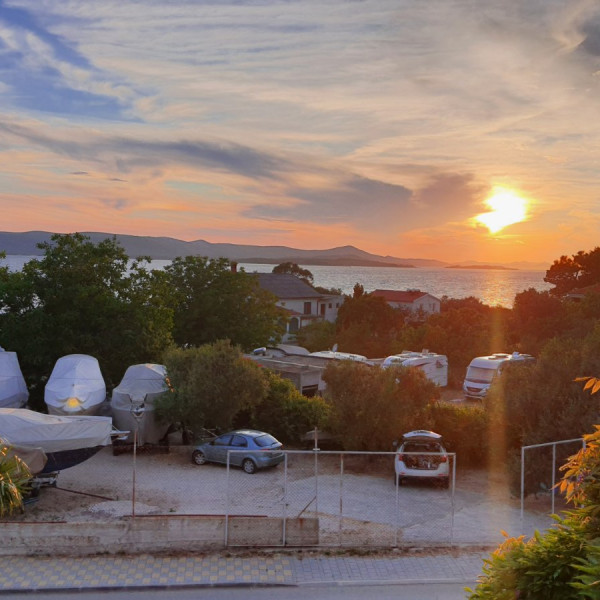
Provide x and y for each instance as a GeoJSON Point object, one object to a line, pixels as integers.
{"type": "Point", "coordinates": [35, 458]}
{"type": "Point", "coordinates": [75, 386]}
{"type": "Point", "coordinates": [13, 390]}
{"type": "Point", "coordinates": [53, 433]}
{"type": "Point", "coordinates": [141, 384]}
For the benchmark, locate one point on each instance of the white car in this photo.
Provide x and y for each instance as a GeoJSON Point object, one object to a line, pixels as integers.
{"type": "Point", "coordinates": [421, 455]}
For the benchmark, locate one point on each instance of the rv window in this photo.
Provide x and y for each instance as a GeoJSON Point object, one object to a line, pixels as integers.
{"type": "Point", "coordinates": [480, 375]}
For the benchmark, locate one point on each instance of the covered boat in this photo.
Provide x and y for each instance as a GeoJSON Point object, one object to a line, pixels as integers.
{"type": "Point", "coordinates": [140, 387]}
{"type": "Point", "coordinates": [75, 387]}
{"type": "Point", "coordinates": [13, 391]}
{"type": "Point", "coordinates": [65, 440]}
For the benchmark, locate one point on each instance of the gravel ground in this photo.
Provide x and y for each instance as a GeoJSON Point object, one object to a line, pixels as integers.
{"type": "Point", "coordinates": [373, 510]}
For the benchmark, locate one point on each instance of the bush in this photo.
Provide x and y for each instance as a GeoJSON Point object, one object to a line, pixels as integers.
{"type": "Point", "coordinates": [464, 429]}
{"type": "Point", "coordinates": [285, 412]}
{"type": "Point", "coordinates": [370, 407]}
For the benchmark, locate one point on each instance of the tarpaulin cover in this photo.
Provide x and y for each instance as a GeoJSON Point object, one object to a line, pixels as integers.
{"type": "Point", "coordinates": [53, 433]}
{"type": "Point", "coordinates": [35, 458]}
{"type": "Point", "coordinates": [75, 386]}
{"type": "Point", "coordinates": [141, 384]}
{"type": "Point", "coordinates": [13, 390]}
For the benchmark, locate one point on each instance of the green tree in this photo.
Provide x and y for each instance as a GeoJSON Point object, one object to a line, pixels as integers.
{"type": "Point", "coordinates": [285, 412]}
{"type": "Point", "coordinates": [212, 302]}
{"type": "Point", "coordinates": [370, 407]}
{"type": "Point", "coordinates": [294, 269]}
{"type": "Point", "coordinates": [15, 478]}
{"type": "Point", "coordinates": [316, 336]}
{"type": "Point", "coordinates": [81, 297]}
{"type": "Point", "coordinates": [368, 325]}
{"type": "Point", "coordinates": [578, 271]}
{"type": "Point", "coordinates": [209, 385]}
{"type": "Point", "coordinates": [464, 333]}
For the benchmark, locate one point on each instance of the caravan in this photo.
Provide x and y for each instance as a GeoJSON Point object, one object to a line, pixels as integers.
{"type": "Point", "coordinates": [434, 366]}
{"type": "Point", "coordinates": [483, 369]}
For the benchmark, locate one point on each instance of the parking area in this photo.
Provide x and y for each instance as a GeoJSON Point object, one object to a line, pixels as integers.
{"type": "Point", "coordinates": [353, 496]}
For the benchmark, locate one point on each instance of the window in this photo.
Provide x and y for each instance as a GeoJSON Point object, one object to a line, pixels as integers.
{"type": "Point", "coordinates": [222, 441]}
{"type": "Point", "coordinates": [330, 305]}
{"type": "Point", "coordinates": [239, 441]}
{"type": "Point", "coordinates": [294, 325]}
{"type": "Point", "coordinates": [307, 308]}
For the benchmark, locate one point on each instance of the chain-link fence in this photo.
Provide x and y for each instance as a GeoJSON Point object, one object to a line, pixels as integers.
{"type": "Point", "coordinates": [347, 498]}
{"type": "Point", "coordinates": [312, 498]}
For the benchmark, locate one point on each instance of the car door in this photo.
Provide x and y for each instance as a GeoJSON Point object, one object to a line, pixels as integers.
{"type": "Point", "coordinates": [238, 443]}
{"type": "Point", "coordinates": [219, 447]}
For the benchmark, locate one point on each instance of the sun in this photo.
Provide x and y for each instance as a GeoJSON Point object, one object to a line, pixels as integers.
{"type": "Point", "coordinates": [506, 208]}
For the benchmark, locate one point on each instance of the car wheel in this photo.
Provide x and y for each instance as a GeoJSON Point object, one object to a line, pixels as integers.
{"type": "Point", "coordinates": [198, 457]}
{"type": "Point", "coordinates": [249, 466]}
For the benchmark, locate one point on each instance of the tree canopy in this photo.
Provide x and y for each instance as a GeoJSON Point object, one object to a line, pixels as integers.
{"type": "Point", "coordinates": [86, 298]}
{"type": "Point", "coordinates": [211, 301]}
{"type": "Point", "coordinates": [294, 269]}
{"type": "Point", "coordinates": [578, 271]}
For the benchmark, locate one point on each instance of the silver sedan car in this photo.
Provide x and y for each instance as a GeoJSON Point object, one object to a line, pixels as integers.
{"type": "Point", "coordinates": [252, 450]}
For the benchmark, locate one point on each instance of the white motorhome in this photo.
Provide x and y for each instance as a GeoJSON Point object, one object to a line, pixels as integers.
{"type": "Point", "coordinates": [434, 366]}
{"type": "Point", "coordinates": [483, 369]}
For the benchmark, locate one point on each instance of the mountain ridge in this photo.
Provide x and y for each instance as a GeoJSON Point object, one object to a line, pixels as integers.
{"type": "Point", "coordinates": [168, 248]}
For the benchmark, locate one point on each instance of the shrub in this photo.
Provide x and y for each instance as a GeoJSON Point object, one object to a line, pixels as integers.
{"type": "Point", "coordinates": [285, 412]}
{"type": "Point", "coordinates": [464, 429]}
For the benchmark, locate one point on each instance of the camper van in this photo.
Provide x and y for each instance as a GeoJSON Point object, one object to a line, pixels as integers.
{"type": "Point", "coordinates": [483, 369]}
{"type": "Point", "coordinates": [434, 366]}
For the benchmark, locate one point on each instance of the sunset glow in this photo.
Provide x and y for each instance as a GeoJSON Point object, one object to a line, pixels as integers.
{"type": "Point", "coordinates": [506, 207]}
{"type": "Point", "coordinates": [306, 124]}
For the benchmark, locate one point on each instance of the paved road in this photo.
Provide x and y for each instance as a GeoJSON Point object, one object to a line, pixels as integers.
{"type": "Point", "coordinates": [446, 591]}
{"type": "Point", "coordinates": [253, 570]}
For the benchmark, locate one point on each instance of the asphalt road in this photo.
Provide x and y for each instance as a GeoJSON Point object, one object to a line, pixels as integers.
{"type": "Point", "coordinates": [444, 591]}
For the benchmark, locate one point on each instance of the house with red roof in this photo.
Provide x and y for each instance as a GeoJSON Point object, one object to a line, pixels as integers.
{"type": "Point", "coordinates": [413, 300]}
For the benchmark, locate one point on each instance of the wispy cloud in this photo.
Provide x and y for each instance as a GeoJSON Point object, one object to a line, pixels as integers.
{"type": "Point", "coordinates": [377, 121]}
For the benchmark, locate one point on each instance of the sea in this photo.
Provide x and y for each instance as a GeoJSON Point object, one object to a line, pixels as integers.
{"type": "Point", "coordinates": [495, 287]}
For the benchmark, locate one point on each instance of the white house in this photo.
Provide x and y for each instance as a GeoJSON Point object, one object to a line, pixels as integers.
{"type": "Point", "coordinates": [413, 300]}
{"type": "Point", "coordinates": [301, 301]}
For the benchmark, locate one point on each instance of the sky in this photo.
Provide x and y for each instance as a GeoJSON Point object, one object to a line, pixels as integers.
{"type": "Point", "coordinates": [447, 129]}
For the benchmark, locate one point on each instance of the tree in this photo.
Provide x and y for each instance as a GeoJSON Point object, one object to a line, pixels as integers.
{"type": "Point", "coordinates": [15, 478]}
{"type": "Point", "coordinates": [537, 317]}
{"type": "Point", "coordinates": [368, 325]}
{"type": "Point", "coordinates": [213, 302]}
{"type": "Point", "coordinates": [284, 411]}
{"type": "Point", "coordinates": [581, 270]}
{"type": "Point", "coordinates": [293, 269]}
{"type": "Point", "coordinates": [370, 407]}
{"type": "Point", "coordinates": [316, 336]}
{"type": "Point", "coordinates": [87, 298]}
{"type": "Point", "coordinates": [209, 386]}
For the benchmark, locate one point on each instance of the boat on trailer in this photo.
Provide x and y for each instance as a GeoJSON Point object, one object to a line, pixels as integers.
{"type": "Point", "coordinates": [66, 441]}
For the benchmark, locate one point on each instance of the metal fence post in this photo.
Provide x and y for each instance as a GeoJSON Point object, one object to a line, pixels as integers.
{"type": "Point", "coordinates": [522, 489]}
{"type": "Point", "coordinates": [341, 517]}
{"type": "Point", "coordinates": [227, 503]}
{"type": "Point", "coordinates": [553, 473]}
{"type": "Point", "coordinates": [285, 490]}
{"type": "Point", "coordinates": [452, 499]}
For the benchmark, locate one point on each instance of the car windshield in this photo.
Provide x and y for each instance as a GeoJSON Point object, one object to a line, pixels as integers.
{"type": "Point", "coordinates": [480, 375]}
{"type": "Point", "coordinates": [265, 440]}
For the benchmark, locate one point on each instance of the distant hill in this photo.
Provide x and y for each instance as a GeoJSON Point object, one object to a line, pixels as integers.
{"type": "Point", "coordinates": [25, 243]}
